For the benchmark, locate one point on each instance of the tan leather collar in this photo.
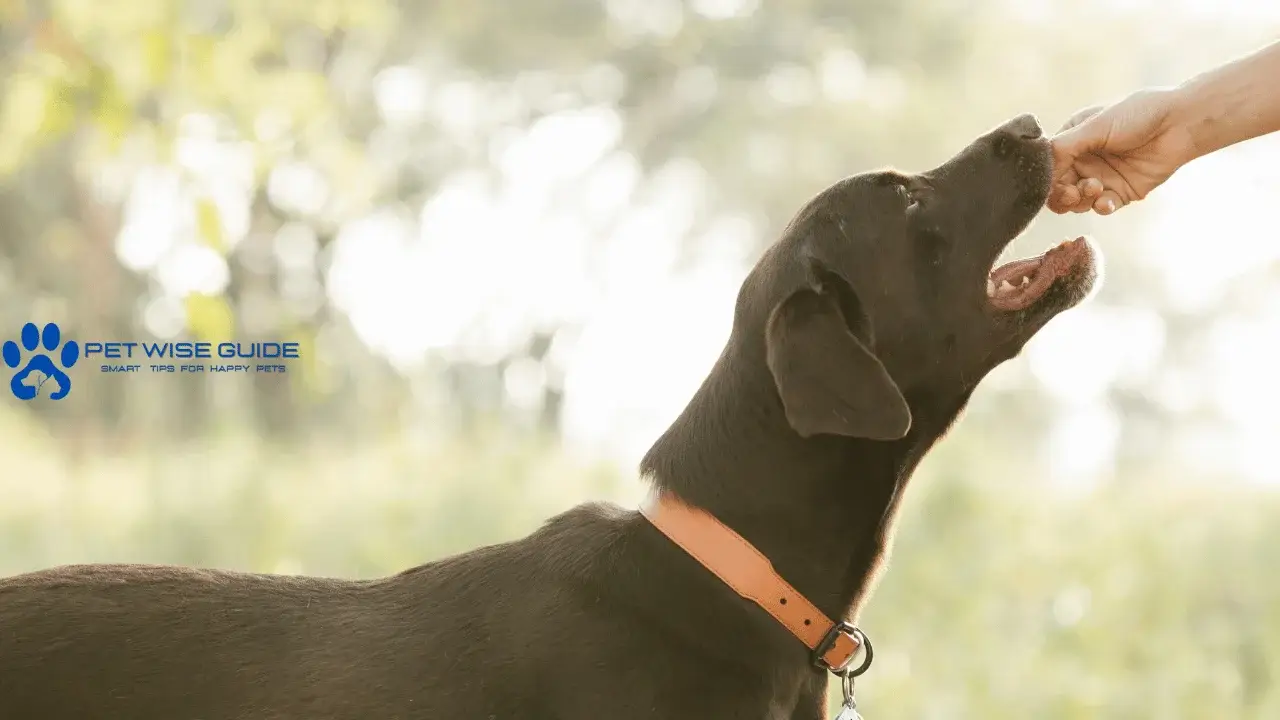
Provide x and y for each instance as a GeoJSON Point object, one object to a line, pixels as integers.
{"type": "Point", "coordinates": [745, 569]}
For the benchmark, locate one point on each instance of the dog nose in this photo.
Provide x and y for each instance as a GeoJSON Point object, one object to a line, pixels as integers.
{"type": "Point", "coordinates": [1024, 127]}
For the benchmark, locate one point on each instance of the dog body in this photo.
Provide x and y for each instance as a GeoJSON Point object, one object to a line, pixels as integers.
{"type": "Point", "coordinates": [858, 338]}
{"type": "Point", "coordinates": [555, 625]}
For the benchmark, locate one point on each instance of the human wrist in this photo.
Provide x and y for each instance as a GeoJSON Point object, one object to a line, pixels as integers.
{"type": "Point", "coordinates": [1228, 105]}
{"type": "Point", "coordinates": [1197, 110]}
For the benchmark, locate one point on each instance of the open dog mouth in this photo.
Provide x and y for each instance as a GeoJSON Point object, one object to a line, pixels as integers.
{"type": "Point", "coordinates": [1018, 285]}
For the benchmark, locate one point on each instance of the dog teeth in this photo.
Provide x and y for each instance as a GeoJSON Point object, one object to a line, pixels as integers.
{"type": "Point", "coordinates": [1025, 281]}
{"type": "Point", "coordinates": [991, 288]}
{"type": "Point", "coordinates": [1005, 287]}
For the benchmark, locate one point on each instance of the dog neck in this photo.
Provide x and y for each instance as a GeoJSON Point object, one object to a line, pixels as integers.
{"type": "Point", "coordinates": [820, 508]}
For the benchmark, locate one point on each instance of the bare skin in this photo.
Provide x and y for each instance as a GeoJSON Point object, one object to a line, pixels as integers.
{"type": "Point", "coordinates": [1109, 156]}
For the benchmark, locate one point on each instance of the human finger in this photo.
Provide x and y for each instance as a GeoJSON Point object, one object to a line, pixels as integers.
{"type": "Point", "coordinates": [1090, 188]}
{"type": "Point", "coordinates": [1108, 202]}
{"type": "Point", "coordinates": [1080, 116]}
{"type": "Point", "coordinates": [1063, 197]}
{"type": "Point", "coordinates": [1083, 132]}
{"type": "Point", "coordinates": [1063, 193]}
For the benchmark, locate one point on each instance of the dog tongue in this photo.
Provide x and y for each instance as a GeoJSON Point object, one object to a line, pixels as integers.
{"type": "Point", "coordinates": [1017, 285]}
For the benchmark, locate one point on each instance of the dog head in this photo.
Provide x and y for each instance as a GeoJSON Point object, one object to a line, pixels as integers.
{"type": "Point", "coordinates": [880, 299]}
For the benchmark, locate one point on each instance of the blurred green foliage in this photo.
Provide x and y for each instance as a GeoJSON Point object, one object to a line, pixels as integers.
{"type": "Point", "coordinates": [1149, 596]}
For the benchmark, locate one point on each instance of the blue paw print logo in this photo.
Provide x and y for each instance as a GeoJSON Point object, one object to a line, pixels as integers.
{"type": "Point", "coordinates": [23, 385]}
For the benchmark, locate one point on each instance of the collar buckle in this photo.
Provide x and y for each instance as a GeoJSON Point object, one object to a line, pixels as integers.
{"type": "Point", "coordinates": [828, 641]}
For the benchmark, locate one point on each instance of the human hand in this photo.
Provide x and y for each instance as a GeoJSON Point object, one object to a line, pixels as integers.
{"type": "Point", "coordinates": [1107, 157]}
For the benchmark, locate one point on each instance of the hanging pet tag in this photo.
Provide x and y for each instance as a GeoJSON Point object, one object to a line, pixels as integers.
{"type": "Point", "coordinates": [848, 712]}
{"type": "Point", "coordinates": [849, 709]}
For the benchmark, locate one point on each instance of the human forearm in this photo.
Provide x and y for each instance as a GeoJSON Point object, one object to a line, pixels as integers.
{"type": "Point", "coordinates": [1232, 103]}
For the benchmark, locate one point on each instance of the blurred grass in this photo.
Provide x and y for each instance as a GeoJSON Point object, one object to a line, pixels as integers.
{"type": "Point", "coordinates": [1134, 601]}
{"type": "Point", "coordinates": [232, 502]}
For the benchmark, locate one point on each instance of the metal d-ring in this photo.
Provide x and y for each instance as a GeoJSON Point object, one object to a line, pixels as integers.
{"type": "Point", "coordinates": [850, 707]}
{"type": "Point", "coordinates": [864, 642]}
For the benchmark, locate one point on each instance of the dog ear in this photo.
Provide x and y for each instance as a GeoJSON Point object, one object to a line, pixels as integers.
{"type": "Point", "coordinates": [829, 379]}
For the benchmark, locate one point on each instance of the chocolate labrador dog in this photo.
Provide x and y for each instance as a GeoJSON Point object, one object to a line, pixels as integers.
{"type": "Point", "coordinates": [857, 340]}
